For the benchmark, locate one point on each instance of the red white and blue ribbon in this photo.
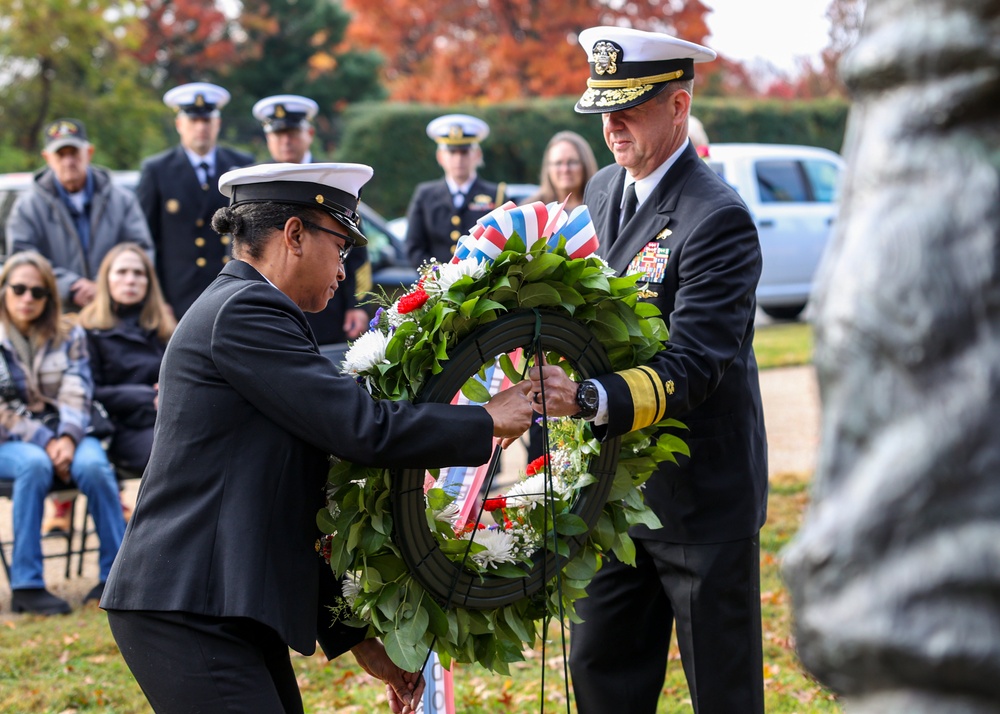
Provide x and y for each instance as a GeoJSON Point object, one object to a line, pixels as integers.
{"type": "Point", "coordinates": [532, 223]}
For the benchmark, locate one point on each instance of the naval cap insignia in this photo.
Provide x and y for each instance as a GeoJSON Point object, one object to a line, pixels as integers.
{"type": "Point", "coordinates": [605, 57]}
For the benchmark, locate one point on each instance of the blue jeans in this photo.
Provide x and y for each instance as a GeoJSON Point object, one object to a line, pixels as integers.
{"type": "Point", "coordinates": [30, 468]}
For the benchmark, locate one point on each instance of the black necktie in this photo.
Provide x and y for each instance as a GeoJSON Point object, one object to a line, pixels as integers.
{"type": "Point", "coordinates": [208, 176]}
{"type": "Point", "coordinates": [628, 210]}
{"type": "Point", "coordinates": [458, 199]}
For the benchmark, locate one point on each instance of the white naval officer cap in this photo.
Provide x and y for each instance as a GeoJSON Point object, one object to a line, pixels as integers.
{"type": "Point", "coordinates": [197, 99]}
{"type": "Point", "coordinates": [285, 111]}
{"type": "Point", "coordinates": [457, 131]}
{"type": "Point", "coordinates": [629, 67]}
{"type": "Point", "coordinates": [334, 188]}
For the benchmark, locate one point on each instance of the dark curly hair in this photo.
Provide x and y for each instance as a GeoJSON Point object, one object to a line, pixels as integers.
{"type": "Point", "coordinates": [251, 224]}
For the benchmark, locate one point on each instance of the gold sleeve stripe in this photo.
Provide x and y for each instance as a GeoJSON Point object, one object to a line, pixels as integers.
{"type": "Point", "coordinates": [649, 398]}
{"type": "Point", "coordinates": [363, 280]}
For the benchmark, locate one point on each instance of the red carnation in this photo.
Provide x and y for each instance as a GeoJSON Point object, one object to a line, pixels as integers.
{"type": "Point", "coordinates": [412, 301]}
{"type": "Point", "coordinates": [495, 504]}
{"type": "Point", "coordinates": [537, 466]}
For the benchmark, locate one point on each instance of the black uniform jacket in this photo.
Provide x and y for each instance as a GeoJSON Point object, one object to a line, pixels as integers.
{"type": "Point", "coordinates": [179, 209]}
{"type": "Point", "coordinates": [225, 520]}
{"type": "Point", "coordinates": [707, 377]}
{"type": "Point", "coordinates": [434, 225]}
{"type": "Point", "coordinates": [125, 361]}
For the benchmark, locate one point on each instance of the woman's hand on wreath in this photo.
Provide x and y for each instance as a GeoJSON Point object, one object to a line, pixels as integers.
{"type": "Point", "coordinates": [560, 391]}
{"type": "Point", "coordinates": [403, 688]}
{"type": "Point", "coordinates": [511, 412]}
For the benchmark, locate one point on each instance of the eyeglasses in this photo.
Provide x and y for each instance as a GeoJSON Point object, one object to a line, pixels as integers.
{"type": "Point", "coordinates": [346, 250]}
{"type": "Point", "coordinates": [37, 293]}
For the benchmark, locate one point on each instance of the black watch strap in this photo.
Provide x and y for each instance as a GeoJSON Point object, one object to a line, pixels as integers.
{"type": "Point", "coordinates": [588, 399]}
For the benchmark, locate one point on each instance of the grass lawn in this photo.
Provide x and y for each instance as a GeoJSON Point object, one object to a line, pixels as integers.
{"type": "Point", "coordinates": [70, 664]}
{"type": "Point", "coordinates": [783, 344]}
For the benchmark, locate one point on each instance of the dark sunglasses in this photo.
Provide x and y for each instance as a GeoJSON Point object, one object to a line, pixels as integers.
{"type": "Point", "coordinates": [37, 293]}
{"type": "Point", "coordinates": [346, 250]}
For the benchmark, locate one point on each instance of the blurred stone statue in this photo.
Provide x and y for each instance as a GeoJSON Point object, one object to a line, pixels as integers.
{"type": "Point", "coordinates": [895, 574]}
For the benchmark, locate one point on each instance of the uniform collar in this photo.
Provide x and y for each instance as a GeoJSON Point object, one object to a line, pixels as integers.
{"type": "Point", "coordinates": [644, 187]}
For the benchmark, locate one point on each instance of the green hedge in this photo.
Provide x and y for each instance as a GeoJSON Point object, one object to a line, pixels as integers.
{"type": "Point", "coordinates": [391, 136]}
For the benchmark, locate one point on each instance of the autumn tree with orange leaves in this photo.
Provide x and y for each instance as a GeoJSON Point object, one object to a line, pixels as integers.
{"type": "Point", "coordinates": [448, 51]}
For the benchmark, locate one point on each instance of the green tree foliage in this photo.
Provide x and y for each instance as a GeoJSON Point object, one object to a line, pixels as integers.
{"type": "Point", "coordinates": [68, 58]}
{"type": "Point", "coordinates": [295, 47]}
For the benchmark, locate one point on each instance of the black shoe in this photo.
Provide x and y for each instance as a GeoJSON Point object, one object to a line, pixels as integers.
{"type": "Point", "coordinates": [38, 601]}
{"type": "Point", "coordinates": [95, 593]}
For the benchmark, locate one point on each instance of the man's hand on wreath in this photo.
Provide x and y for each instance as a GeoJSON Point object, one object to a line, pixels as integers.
{"type": "Point", "coordinates": [511, 412]}
{"type": "Point", "coordinates": [560, 391]}
{"type": "Point", "coordinates": [403, 688]}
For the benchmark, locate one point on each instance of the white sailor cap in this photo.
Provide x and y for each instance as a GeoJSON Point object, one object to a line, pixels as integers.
{"type": "Point", "coordinates": [457, 130]}
{"type": "Point", "coordinates": [334, 188]}
{"type": "Point", "coordinates": [197, 99]}
{"type": "Point", "coordinates": [629, 67]}
{"type": "Point", "coordinates": [285, 111]}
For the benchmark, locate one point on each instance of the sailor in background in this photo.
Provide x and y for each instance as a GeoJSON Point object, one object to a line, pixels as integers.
{"type": "Point", "coordinates": [178, 191]}
{"type": "Point", "coordinates": [287, 120]}
{"type": "Point", "coordinates": [444, 210]}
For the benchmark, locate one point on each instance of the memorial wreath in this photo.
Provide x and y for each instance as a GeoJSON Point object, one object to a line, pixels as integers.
{"type": "Point", "coordinates": [538, 263]}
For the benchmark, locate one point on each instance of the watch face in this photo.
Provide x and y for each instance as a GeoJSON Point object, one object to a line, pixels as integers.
{"type": "Point", "coordinates": [588, 399]}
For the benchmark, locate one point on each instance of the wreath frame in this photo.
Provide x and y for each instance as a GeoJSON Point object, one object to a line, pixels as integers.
{"type": "Point", "coordinates": [450, 582]}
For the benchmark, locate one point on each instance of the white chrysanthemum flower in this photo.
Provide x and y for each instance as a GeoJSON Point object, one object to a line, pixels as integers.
{"type": "Point", "coordinates": [531, 490]}
{"type": "Point", "coordinates": [350, 587]}
{"type": "Point", "coordinates": [448, 274]}
{"type": "Point", "coordinates": [365, 353]}
{"type": "Point", "coordinates": [499, 547]}
{"type": "Point", "coordinates": [448, 514]}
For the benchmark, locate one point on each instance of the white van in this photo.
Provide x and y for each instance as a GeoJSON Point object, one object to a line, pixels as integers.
{"type": "Point", "coordinates": [792, 193]}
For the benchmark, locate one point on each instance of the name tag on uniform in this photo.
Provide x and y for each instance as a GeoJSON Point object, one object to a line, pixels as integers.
{"type": "Point", "coordinates": [651, 261]}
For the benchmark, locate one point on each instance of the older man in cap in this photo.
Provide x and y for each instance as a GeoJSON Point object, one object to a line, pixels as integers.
{"type": "Point", "coordinates": [662, 210]}
{"type": "Point", "coordinates": [218, 573]}
{"type": "Point", "coordinates": [74, 214]}
{"type": "Point", "coordinates": [179, 194]}
{"type": "Point", "coordinates": [443, 211]}
{"type": "Point", "coordinates": [288, 129]}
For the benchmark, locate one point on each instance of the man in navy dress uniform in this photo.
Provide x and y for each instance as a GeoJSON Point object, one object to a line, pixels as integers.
{"type": "Point", "coordinates": [179, 193]}
{"type": "Point", "coordinates": [444, 210]}
{"type": "Point", "coordinates": [288, 129]}
{"type": "Point", "coordinates": [661, 210]}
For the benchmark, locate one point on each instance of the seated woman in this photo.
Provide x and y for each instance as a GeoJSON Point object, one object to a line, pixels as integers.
{"type": "Point", "coordinates": [45, 394]}
{"type": "Point", "coordinates": [128, 324]}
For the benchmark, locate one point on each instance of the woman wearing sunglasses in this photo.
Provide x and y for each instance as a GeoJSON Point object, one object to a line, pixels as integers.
{"type": "Point", "coordinates": [45, 394]}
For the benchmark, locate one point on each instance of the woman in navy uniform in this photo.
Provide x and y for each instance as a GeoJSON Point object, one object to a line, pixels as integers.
{"type": "Point", "coordinates": [178, 191]}
{"type": "Point", "coordinates": [218, 574]}
{"type": "Point", "coordinates": [444, 210]}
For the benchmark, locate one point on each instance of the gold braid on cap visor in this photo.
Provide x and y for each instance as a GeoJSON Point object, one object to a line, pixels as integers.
{"type": "Point", "coordinates": [615, 92]}
{"type": "Point", "coordinates": [633, 82]}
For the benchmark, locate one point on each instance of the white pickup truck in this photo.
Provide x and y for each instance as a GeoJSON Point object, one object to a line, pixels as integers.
{"type": "Point", "coordinates": [792, 193]}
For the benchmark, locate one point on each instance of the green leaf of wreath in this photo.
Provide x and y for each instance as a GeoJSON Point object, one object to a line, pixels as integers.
{"type": "Point", "coordinates": [475, 391]}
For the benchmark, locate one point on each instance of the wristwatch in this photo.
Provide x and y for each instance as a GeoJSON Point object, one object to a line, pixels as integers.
{"type": "Point", "coordinates": [588, 399]}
